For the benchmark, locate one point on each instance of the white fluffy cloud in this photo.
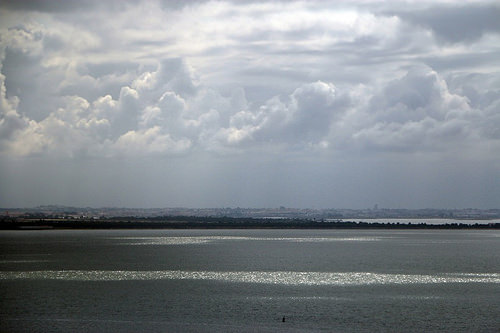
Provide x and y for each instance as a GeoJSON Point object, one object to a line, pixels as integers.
{"type": "Point", "coordinates": [166, 112]}
{"type": "Point", "coordinates": [418, 112]}
{"type": "Point", "coordinates": [304, 117]}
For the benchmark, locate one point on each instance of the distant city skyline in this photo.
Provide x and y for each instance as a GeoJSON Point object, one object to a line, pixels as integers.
{"type": "Point", "coordinates": [307, 104]}
{"type": "Point", "coordinates": [473, 215]}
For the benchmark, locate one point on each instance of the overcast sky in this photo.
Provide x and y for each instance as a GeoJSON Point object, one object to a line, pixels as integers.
{"type": "Point", "coordinates": [318, 104]}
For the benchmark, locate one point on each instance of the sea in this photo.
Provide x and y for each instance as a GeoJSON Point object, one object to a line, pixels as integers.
{"type": "Point", "coordinates": [250, 280]}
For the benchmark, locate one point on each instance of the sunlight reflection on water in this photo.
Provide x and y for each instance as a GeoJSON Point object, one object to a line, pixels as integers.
{"type": "Point", "coordinates": [278, 278]}
{"type": "Point", "coordinates": [210, 239]}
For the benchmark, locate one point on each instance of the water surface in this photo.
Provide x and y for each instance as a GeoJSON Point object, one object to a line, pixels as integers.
{"type": "Point", "coordinates": [247, 280]}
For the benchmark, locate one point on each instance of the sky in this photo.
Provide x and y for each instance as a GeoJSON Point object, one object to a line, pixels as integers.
{"type": "Point", "coordinates": [306, 104]}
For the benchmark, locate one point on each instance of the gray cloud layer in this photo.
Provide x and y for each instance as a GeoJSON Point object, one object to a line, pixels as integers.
{"type": "Point", "coordinates": [205, 81]}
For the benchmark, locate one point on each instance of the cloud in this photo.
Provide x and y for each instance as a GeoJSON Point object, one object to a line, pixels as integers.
{"type": "Point", "coordinates": [455, 24]}
{"type": "Point", "coordinates": [306, 96]}
{"type": "Point", "coordinates": [98, 101]}
{"type": "Point", "coordinates": [149, 141]}
{"type": "Point", "coordinates": [10, 120]}
{"type": "Point", "coordinates": [151, 110]}
{"type": "Point", "coordinates": [56, 6]}
{"type": "Point", "coordinates": [165, 111]}
{"type": "Point", "coordinates": [304, 118]}
{"type": "Point", "coordinates": [418, 113]}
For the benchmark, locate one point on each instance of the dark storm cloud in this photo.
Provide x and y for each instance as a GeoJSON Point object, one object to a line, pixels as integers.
{"type": "Point", "coordinates": [62, 6]}
{"type": "Point", "coordinates": [454, 24]}
{"type": "Point", "coordinates": [21, 72]}
{"type": "Point", "coordinates": [463, 61]}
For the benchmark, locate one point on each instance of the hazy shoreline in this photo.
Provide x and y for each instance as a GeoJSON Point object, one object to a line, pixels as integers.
{"type": "Point", "coordinates": [188, 222]}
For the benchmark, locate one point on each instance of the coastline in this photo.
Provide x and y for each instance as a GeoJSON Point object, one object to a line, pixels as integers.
{"type": "Point", "coordinates": [187, 222]}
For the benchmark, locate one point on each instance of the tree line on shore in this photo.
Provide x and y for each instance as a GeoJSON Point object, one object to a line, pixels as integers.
{"type": "Point", "coordinates": [191, 222]}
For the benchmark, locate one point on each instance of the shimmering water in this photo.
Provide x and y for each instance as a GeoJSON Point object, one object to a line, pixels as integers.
{"type": "Point", "coordinates": [247, 280]}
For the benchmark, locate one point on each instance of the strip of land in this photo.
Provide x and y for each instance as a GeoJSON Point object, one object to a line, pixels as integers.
{"type": "Point", "coordinates": [191, 222]}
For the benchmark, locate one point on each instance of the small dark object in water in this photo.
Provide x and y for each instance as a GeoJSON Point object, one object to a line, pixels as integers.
{"type": "Point", "coordinates": [283, 319]}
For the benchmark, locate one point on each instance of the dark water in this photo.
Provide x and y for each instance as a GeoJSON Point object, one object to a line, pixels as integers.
{"type": "Point", "coordinates": [247, 280]}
